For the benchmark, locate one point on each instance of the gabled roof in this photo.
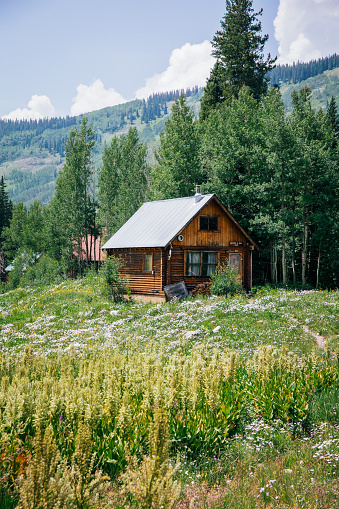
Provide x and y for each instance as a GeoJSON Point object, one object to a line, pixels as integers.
{"type": "Point", "coordinates": [157, 223]}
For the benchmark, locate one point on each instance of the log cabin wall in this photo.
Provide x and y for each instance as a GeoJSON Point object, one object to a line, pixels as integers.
{"type": "Point", "coordinates": [140, 280]}
{"type": "Point", "coordinates": [215, 241]}
{"type": "Point", "coordinates": [169, 264]}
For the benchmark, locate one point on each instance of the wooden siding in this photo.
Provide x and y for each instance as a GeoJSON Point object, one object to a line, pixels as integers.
{"type": "Point", "coordinates": [227, 230]}
{"type": "Point", "coordinates": [169, 264]}
{"type": "Point", "coordinates": [139, 280]}
{"type": "Point", "coordinates": [217, 241]}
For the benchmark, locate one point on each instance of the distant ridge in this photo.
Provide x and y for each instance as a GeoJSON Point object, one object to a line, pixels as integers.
{"type": "Point", "coordinates": [301, 71]}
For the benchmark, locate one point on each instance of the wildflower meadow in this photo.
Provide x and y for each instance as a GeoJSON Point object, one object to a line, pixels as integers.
{"type": "Point", "coordinates": [204, 403]}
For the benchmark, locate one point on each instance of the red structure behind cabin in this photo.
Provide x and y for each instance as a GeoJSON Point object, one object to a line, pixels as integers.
{"type": "Point", "coordinates": [183, 239]}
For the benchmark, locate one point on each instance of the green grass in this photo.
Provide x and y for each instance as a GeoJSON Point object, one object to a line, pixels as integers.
{"type": "Point", "coordinates": [83, 343]}
{"type": "Point", "coordinates": [75, 313]}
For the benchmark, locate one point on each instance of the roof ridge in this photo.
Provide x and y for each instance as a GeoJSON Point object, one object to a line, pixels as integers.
{"type": "Point", "coordinates": [180, 198]}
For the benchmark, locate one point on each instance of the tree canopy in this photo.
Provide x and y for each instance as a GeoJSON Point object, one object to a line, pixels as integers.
{"type": "Point", "coordinates": [238, 48]}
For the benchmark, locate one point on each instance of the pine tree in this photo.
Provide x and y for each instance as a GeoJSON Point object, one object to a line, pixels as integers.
{"type": "Point", "coordinates": [214, 91]}
{"type": "Point", "coordinates": [333, 117]}
{"type": "Point", "coordinates": [238, 48]}
{"type": "Point", "coordinates": [6, 206]}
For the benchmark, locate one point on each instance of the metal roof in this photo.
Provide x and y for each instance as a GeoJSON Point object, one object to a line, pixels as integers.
{"type": "Point", "coordinates": [156, 223]}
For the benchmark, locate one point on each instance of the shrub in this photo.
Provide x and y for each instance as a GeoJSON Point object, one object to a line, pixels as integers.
{"type": "Point", "coordinates": [114, 284]}
{"type": "Point", "coordinates": [45, 271]}
{"type": "Point", "coordinates": [225, 281]}
{"type": "Point", "coordinates": [20, 264]}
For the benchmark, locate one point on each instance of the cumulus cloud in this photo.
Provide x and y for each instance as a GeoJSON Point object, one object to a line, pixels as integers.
{"type": "Point", "coordinates": [188, 66]}
{"type": "Point", "coordinates": [306, 29]}
{"type": "Point", "coordinates": [94, 97]}
{"type": "Point", "coordinates": [39, 106]}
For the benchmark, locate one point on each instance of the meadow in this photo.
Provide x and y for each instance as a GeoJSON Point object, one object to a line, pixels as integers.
{"type": "Point", "coordinates": [209, 402]}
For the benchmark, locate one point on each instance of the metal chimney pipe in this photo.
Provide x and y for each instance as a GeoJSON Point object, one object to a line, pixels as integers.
{"type": "Point", "coordinates": [197, 195]}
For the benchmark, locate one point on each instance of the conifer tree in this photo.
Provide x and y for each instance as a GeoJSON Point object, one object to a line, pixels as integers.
{"type": "Point", "coordinates": [6, 206]}
{"type": "Point", "coordinates": [333, 117]}
{"type": "Point", "coordinates": [238, 48]}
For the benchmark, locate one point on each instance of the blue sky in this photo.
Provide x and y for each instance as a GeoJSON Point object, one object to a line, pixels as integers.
{"type": "Point", "coordinates": [60, 57]}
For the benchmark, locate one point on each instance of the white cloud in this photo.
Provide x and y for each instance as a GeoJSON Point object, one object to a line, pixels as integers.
{"type": "Point", "coordinates": [306, 29]}
{"type": "Point", "coordinates": [39, 106]}
{"type": "Point", "coordinates": [94, 97]}
{"type": "Point", "coordinates": [188, 66]}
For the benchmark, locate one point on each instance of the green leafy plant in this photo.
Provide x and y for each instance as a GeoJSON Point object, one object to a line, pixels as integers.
{"type": "Point", "coordinates": [114, 283]}
{"type": "Point", "coordinates": [46, 271]}
{"type": "Point", "coordinates": [225, 281]}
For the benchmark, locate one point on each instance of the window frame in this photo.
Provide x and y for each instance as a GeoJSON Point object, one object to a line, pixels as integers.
{"type": "Point", "coordinates": [209, 218]}
{"type": "Point", "coordinates": [201, 263]}
{"type": "Point", "coordinates": [148, 271]}
{"type": "Point", "coordinates": [240, 275]}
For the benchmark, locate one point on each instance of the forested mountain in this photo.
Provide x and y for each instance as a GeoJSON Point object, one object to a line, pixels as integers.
{"type": "Point", "coordinates": [301, 71]}
{"type": "Point", "coordinates": [33, 152]}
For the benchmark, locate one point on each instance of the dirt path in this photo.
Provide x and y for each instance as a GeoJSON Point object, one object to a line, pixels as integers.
{"type": "Point", "coordinates": [321, 340]}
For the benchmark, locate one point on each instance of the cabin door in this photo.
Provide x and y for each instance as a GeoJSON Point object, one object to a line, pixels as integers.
{"type": "Point", "coordinates": [235, 261]}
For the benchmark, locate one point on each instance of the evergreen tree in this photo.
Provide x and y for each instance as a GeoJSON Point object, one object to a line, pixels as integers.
{"type": "Point", "coordinates": [178, 168]}
{"type": "Point", "coordinates": [214, 91]}
{"type": "Point", "coordinates": [238, 48]}
{"type": "Point", "coordinates": [6, 206]}
{"type": "Point", "coordinates": [333, 117]}
{"type": "Point", "coordinates": [25, 231]}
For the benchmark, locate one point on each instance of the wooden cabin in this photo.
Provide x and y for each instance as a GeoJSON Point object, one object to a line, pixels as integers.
{"type": "Point", "coordinates": [182, 239]}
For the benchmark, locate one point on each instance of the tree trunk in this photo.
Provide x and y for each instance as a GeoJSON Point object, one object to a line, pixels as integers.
{"type": "Point", "coordinates": [293, 254]}
{"type": "Point", "coordinates": [283, 257]}
{"type": "Point", "coordinates": [318, 269]}
{"type": "Point", "coordinates": [304, 248]}
{"type": "Point", "coordinates": [274, 271]}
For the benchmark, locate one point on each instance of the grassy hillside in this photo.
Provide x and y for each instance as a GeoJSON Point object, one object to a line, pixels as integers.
{"type": "Point", "coordinates": [232, 397]}
{"type": "Point", "coordinates": [31, 153]}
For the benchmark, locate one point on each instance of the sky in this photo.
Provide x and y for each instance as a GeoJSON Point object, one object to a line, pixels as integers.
{"type": "Point", "coordinates": [67, 57]}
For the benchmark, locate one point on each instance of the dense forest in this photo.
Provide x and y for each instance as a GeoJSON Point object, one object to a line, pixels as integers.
{"type": "Point", "coordinates": [301, 71]}
{"type": "Point", "coordinates": [276, 172]}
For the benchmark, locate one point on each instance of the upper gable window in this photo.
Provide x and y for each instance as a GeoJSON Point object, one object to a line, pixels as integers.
{"type": "Point", "coordinates": [209, 224]}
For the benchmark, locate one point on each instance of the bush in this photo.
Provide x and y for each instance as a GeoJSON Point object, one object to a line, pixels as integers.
{"type": "Point", "coordinates": [20, 264]}
{"type": "Point", "coordinates": [225, 281]}
{"type": "Point", "coordinates": [114, 283]}
{"type": "Point", "coordinates": [45, 271]}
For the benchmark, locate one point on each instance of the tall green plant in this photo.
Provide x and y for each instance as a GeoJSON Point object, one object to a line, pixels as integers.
{"type": "Point", "coordinates": [114, 284]}
{"type": "Point", "coordinates": [225, 281]}
{"type": "Point", "coordinates": [178, 168]}
{"type": "Point", "coordinates": [72, 213]}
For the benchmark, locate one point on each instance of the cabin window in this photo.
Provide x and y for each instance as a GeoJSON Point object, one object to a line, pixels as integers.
{"type": "Point", "coordinates": [148, 264]}
{"type": "Point", "coordinates": [209, 224]}
{"type": "Point", "coordinates": [201, 263]}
